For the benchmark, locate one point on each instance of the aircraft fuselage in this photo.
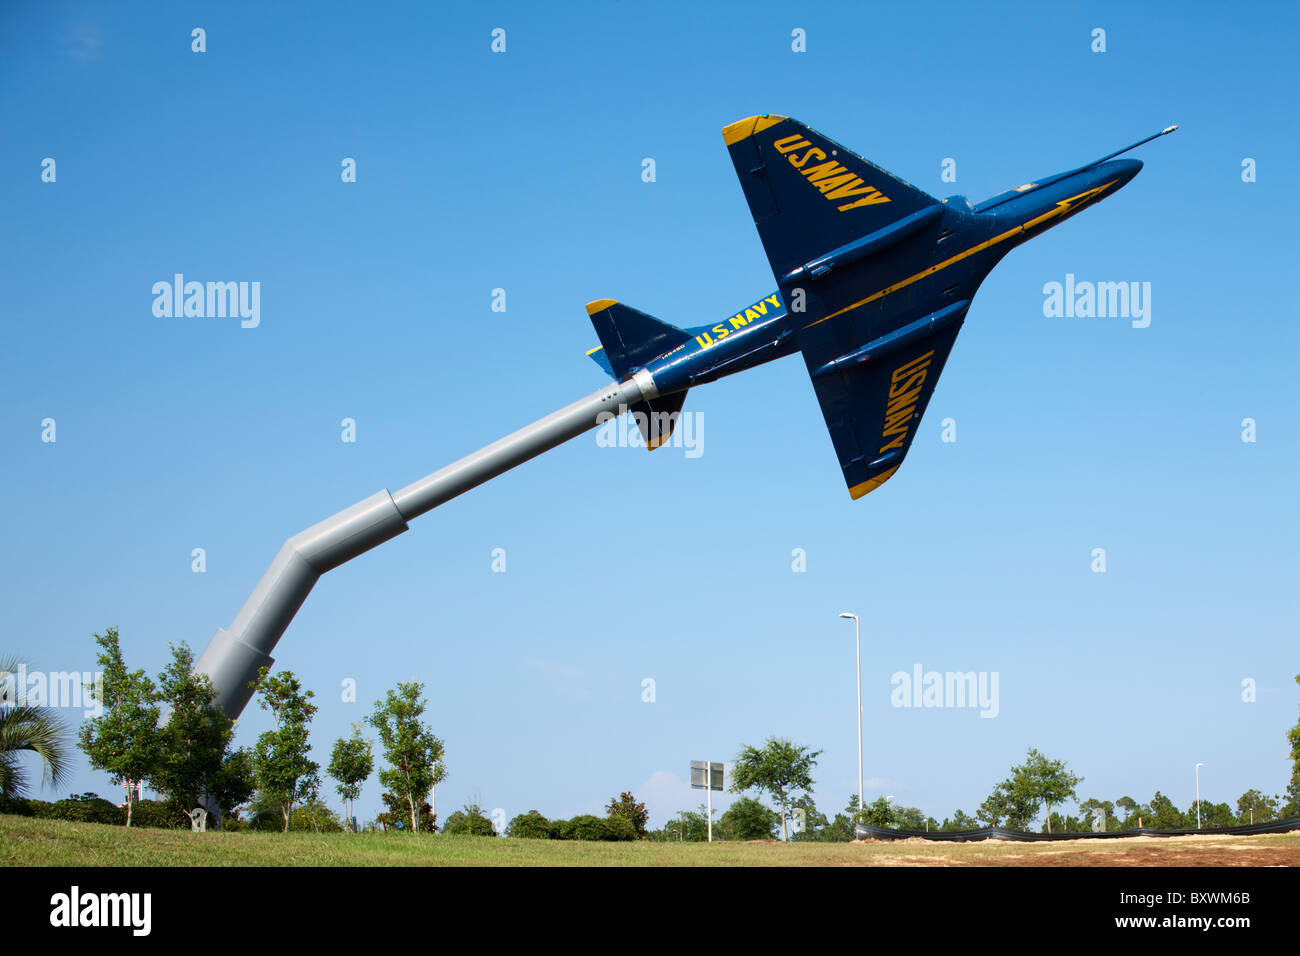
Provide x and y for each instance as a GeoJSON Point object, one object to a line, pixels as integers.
{"type": "Point", "coordinates": [945, 261]}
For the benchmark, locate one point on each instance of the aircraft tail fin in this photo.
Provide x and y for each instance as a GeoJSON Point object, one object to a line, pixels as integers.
{"type": "Point", "coordinates": [628, 339]}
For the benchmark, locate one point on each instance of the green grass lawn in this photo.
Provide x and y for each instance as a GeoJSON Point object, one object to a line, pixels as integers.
{"type": "Point", "coordinates": [30, 842]}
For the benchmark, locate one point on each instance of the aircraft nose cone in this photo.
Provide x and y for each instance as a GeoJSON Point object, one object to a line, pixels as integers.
{"type": "Point", "coordinates": [1123, 169]}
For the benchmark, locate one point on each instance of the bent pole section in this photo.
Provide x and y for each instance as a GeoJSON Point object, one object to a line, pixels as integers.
{"type": "Point", "coordinates": [234, 655]}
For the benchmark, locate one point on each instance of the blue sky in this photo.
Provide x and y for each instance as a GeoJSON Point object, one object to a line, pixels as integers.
{"type": "Point", "coordinates": [523, 171]}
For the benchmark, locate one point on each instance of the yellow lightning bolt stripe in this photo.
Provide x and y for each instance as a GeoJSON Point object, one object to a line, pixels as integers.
{"type": "Point", "coordinates": [1060, 209]}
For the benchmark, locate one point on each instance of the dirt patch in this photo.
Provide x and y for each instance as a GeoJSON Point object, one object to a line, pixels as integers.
{"type": "Point", "coordinates": [1134, 851]}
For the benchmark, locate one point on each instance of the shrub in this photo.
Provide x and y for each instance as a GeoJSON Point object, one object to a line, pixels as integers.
{"type": "Point", "coordinates": [17, 806]}
{"type": "Point", "coordinates": [157, 814]}
{"type": "Point", "coordinates": [469, 822]}
{"type": "Point", "coordinates": [96, 810]}
{"type": "Point", "coordinates": [315, 817]}
{"type": "Point", "coordinates": [625, 806]}
{"type": "Point", "coordinates": [588, 827]}
{"type": "Point", "coordinates": [531, 826]}
{"type": "Point", "coordinates": [748, 819]}
{"type": "Point", "coordinates": [620, 828]}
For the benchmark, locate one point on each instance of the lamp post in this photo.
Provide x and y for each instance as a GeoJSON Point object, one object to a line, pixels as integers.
{"type": "Point", "coordinates": [1198, 795]}
{"type": "Point", "coordinates": [857, 637]}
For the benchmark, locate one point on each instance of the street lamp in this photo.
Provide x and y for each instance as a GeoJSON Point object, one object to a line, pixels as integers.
{"type": "Point", "coordinates": [857, 637]}
{"type": "Point", "coordinates": [1198, 795]}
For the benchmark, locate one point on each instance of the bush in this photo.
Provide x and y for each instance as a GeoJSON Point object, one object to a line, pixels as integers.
{"type": "Point", "coordinates": [588, 827]}
{"type": "Point", "coordinates": [314, 817]}
{"type": "Point", "coordinates": [93, 809]}
{"type": "Point", "coordinates": [585, 827]}
{"type": "Point", "coordinates": [469, 822]}
{"type": "Point", "coordinates": [397, 816]}
{"type": "Point", "coordinates": [620, 828]}
{"type": "Point", "coordinates": [531, 826]}
{"type": "Point", "coordinates": [157, 814]}
{"type": "Point", "coordinates": [748, 819]}
{"type": "Point", "coordinates": [626, 807]}
{"type": "Point", "coordinates": [17, 806]}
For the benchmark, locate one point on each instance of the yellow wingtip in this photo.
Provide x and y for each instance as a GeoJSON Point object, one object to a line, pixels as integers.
{"type": "Point", "coordinates": [743, 129]}
{"type": "Point", "coordinates": [600, 305]}
{"type": "Point", "coordinates": [871, 484]}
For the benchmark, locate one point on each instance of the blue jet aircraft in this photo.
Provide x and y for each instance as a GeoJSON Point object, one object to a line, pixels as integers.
{"type": "Point", "coordinates": [874, 278]}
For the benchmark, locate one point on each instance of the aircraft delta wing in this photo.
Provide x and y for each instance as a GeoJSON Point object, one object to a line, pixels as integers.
{"type": "Point", "coordinates": [836, 229]}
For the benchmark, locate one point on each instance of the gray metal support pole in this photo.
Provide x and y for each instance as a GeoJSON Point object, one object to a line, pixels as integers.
{"type": "Point", "coordinates": [235, 654]}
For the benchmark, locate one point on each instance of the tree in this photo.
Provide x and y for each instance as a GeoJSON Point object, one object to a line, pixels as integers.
{"type": "Point", "coordinates": [1255, 807]}
{"type": "Point", "coordinates": [397, 816]}
{"type": "Point", "coordinates": [878, 813]}
{"type": "Point", "coordinates": [1042, 780]}
{"type": "Point", "coordinates": [285, 773]}
{"type": "Point", "coordinates": [195, 765]}
{"type": "Point", "coordinates": [1165, 816]}
{"type": "Point", "coordinates": [351, 764]}
{"type": "Point", "coordinates": [748, 819]}
{"type": "Point", "coordinates": [1010, 804]}
{"type": "Point", "coordinates": [911, 818]}
{"type": "Point", "coordinates": [780, 768]}
{"type": "Point", "coordinates": [688, 826]}
{"type": "Point", "coordinates": [855, 810]}
{"type": "Point", "coordinates": [960, 821]}
{"type": "Point", "coordinates": [124, 740]}
{"type": "Point", "coordinates": [233, 783]}
{"type": "Point", "coordinates": [1092, 809]}
{"type": "Point", "coordinates": [28, 729]}
{"type": "Point", "coordinates": [839, 830]}
{"type": "Point", "coordinates": [1133, 812]}
{"type": "Point", "coordinates": [1066, 823]}
{"type": "Point", "coordinates": [1292, 807]}
{"type": "Point", "coordinates": [628, 809]}
{"type": "Point", "coordinates": [413, 753]}
{"type": "Point", "coordinates": [1213, 815]}
{"type": "Point", "coordinates": [815, 824]}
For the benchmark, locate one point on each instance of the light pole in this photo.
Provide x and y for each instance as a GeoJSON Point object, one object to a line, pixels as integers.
{"type": "Point", "coordinates": [1198, 795]}
{"type": "Point", "coordinates": [857, 637]}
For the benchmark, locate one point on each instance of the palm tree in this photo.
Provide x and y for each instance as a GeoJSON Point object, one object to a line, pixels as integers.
{"type": "Point", "coordinates": [29, 728]}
